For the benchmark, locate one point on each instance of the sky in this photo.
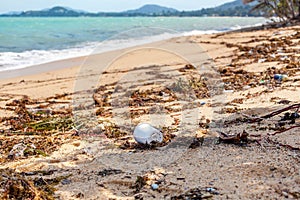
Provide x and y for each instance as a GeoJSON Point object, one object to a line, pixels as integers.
{"type": "Point", "coordinates": [105, 5]}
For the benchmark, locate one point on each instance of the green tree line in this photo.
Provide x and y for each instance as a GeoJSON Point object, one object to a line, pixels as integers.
{"type": "Point", "coordinates": [286, 10]}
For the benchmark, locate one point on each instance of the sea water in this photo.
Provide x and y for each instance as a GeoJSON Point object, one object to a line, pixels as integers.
{"type": "Point", "coordinates": [30, 41]}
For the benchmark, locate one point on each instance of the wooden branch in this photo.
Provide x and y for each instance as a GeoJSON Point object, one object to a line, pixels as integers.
{"type": "Point", "coordinates": [283, 145]}
{"type": "Point", "coordinates": [282, 131]}
{"type": "Point", "coordinates": [277, 112]}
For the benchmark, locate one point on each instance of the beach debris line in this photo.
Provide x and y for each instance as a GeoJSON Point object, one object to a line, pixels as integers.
{"type": "Point", "coordinates": [144, 133]}
{"type": "Point", "coordinates": [239, 79]}
{"type": "Point", "coordinates": [282, 50]}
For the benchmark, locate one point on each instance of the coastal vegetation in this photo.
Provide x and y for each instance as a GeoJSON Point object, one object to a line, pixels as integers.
{"type": "Point", "coordinates": [285, 10]}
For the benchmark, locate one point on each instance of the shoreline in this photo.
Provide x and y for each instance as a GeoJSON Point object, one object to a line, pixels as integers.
{"type": "Point", "coordinates": [27, 58]}
{"type": "Point", "coordinates": [71, 69]}
{"type": "Point", "coordinates": [79, 60]}
{"type": "Point", "coordinates": [66, 63]}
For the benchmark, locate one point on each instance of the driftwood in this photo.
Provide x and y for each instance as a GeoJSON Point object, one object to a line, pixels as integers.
{"type": "Point", "coordinates": [290, 147]}
{"type": "Point", "coordinates": [277, 112]}
{"type": "Point", "coordinates": [282, 131]}
{"type": "Point", "coordinates": [244, 136]}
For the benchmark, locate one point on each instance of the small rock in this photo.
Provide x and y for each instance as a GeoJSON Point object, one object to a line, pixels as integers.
{"type": "Point", "coordinates": [246, 87]}
{"type": "Point", "coordinates": [79, 195]}
{"type": "Point", "coordinates": [138, 196]}
{"type": "Point", "coordinates": [206, 196]}
{"type": "Point", "coordinates": [65, 182]}
{"type": "Point", "coordinates": [212, 190]}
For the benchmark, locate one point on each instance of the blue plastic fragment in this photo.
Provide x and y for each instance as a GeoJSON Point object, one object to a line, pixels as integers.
{"type": "Point", "coordinates": [154, 186]}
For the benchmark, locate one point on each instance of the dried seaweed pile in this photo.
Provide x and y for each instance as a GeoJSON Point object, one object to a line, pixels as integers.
{"type": "Point", "coordinates": [33, 132]}
{"type": "Point", "coordinates": [283, 49]}
{"type": "Point", "coordinates": [16, 186]}
{"type": "Point", "coordinates": [197, 82]}
{"type": "Point", "coordinates": [102, 98]}
{"type": "Point", "coordinates": [144, 102]}
{"type": "Point", "coordinates": [240, 79]}
{"type": "Point", "coordinates": [112, 131]}
{"type": "Point", "coordinates": [37, 119]}
{"type": "Point", "coordinates": [28, 185]}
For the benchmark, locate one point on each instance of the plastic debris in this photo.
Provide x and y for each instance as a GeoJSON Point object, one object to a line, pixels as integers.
{"type": "Point", "coordinates": [154, 186]}
{"type": "Point", "coordinates": [280, 77]}
{"type": "Point", "coordinates": [17, 151]}
{"type": "Point", "coordinates": [144, 133]}
{"type": "Point", "coordinates": [228, 91]}
{"type": "Point", "coordinates": [212, 190]}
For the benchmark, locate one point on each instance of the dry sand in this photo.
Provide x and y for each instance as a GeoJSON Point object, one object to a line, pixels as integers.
{"type": "Point", "coordinates": [166, 84]}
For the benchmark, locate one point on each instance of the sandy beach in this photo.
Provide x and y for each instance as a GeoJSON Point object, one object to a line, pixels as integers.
{"type": "Point", "coordinates": [66, 126]}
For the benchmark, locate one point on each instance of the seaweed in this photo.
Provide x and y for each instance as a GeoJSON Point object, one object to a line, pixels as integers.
{"type": "Point", "coordinates": [50, 124]}
{"type": "Point", "coordinates": [18, 186]}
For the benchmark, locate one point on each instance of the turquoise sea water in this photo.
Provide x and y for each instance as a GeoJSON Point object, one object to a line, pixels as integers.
{"type": "Point", "coordinates": [29, 41]}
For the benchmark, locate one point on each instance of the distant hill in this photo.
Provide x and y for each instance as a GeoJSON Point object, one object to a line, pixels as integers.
{"type": "Point", "coordinates": [230, 5]}
{"type": "Point", "coordinates": [152, 9]}
{"type": "Point", "coordinates": [233, 4]}
{"type": "Point", "coordinates": [57, 11]}
{"type": "Point", "coordinates": [235, 8]}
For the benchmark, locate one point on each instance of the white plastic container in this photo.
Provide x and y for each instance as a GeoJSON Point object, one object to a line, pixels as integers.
{"type": "Point", "coordinates": [144, 133]}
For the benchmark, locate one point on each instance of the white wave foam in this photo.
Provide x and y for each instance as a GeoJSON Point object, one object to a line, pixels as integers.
{"type": "Point", "coordinates": [237, 27]}
{"type": "Point", "coordinates": [197, 32]}
{"type": "Point", "coordinates": [15, 60]}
